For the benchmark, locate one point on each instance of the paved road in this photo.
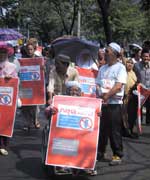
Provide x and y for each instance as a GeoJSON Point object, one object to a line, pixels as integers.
{"type": "Point", "coordinates": [24, 159]}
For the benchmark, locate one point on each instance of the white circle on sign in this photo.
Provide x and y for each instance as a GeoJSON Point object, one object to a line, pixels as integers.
{"type": "Point", "coordinates": [35, 76]}
{"type": "Point", "coordinates": [92, 89]}
{"type": "Point", "coordinates": [5, 99]}
{"type": "Point", "coordinates": [86, 123]}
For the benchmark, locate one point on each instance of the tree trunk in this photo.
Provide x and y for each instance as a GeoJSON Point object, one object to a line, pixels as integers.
{"type": "Point", "coordinates": [104, 6]}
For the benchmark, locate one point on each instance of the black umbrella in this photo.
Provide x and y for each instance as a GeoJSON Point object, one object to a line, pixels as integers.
{"type": "Point", "coordinates": [73, 46]}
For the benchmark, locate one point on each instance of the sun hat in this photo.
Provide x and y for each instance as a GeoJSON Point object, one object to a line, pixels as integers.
{"type": "Point", "coordinates": [7, 47]}
{"type": "Point", "coordinates": [115, 47]}
{"type": "Point", "coordinates": [63, 58]}
{"type": "Point", "coordinates": [72, 83]}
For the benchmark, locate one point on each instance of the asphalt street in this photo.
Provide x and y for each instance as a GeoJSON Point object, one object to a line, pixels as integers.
{"type": "Point", "coordinates": [24, 159]}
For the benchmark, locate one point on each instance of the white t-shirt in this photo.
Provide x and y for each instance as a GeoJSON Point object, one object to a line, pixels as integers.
{"type": "Point", "coordinates": [108, 76]}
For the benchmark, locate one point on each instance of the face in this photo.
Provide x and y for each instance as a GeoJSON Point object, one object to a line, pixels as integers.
{"type": "Point", "coordinates": [3, 55]}
{"type": "Point", "coordinates": [75, 91]}
{"type": "Point", "coordinates": [86, 56]}
{"type": "Point", "coordinates": [101, 54]}
{"type": "Point", "coordinates": [110, 56]}
{"type": "Point", "coordinates": [61, 67]}
{"type": "Point", "coordinates": [139, 53]}
{"type": "Point", "coordinates": [30, 50]}
{"type": "Point", "coordinates": [129, 65]}
{"type": "Point", "coordinates": [146, 57]}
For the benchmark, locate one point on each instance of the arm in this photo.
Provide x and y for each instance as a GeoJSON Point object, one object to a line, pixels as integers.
{"type": "Point", "coordinates": [116, 88]}
{"type": "Point", "coordinates": [50, 87]}
{"type": "Point", "coordinates": [50, 98]}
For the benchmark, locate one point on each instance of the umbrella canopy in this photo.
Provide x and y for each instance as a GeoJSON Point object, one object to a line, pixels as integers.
{"type": "Point", "coordinates": [7, 34]}
{"type": "Point", "coordinates": [73, 46]}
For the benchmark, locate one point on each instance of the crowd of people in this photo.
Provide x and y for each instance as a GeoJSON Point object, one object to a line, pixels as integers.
{"type": "Point", "coordinates": [117, 77]}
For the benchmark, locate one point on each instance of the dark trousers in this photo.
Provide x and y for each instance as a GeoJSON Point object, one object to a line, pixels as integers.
{"type": "Point", "coordinates": [30, 114]}
{"type": "Point", "coordinates": [132, 111]}
{"type": "Point", "coordinates": [4, 142]}
{"type": "Point", "coordinates": [147, 106]}
{"type": "Point", "coordinates": [111, 127]}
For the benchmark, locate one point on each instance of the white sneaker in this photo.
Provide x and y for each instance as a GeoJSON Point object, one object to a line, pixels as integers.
{"type": "Point", "coordinates": [91, 172]}
{"type": "Point", "coordinates": [4, 152]}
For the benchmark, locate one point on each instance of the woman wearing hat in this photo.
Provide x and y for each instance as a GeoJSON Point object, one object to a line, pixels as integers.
{"type": "Point", "coordinates": [7, 70]}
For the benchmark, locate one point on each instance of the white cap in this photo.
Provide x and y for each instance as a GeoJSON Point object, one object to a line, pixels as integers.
{"type": "Point", "coordinates": [72, 83]}
{"type": "Point", "coordinates": [115, 47]}
{"type": "Point", "coordinates": [137, 46]}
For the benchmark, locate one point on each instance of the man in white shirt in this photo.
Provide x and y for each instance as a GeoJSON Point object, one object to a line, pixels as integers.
{"type": "Point", "coordinates": [110, 87]}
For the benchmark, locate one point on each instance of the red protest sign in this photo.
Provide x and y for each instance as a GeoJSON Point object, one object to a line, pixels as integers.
{"type": "Point", "coordinates": [143, 94]}
{"type": "Point", "coordinates": [8, 96]}
{"type": "Point", "coordinates": [74, 130]}
{"type": "Point", "coordinates": [87, 80]}
{"type": "Point", "coordinates": [32, 86]}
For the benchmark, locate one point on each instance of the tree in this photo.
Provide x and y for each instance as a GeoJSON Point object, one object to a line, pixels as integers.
{"type": "Point", "coordinates": [105, 11]}
{"type": "Point", "coordinates": [127, 21]}
{"type": "Point", "coordinates": [145, 6]}
{"type": "Point", "coordinates": [101, 20]}
{"type": "Point", "coordinates": [6, 6]}
{"type": "Point", "coordinates": [91, 21]}
{"type": "Point", "coordinates": [67, 11]}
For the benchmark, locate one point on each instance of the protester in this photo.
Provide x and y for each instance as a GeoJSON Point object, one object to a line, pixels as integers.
{"type": "Point", "coordinates": [48, 54]}
{"type": "Point", "coordinates": [135, 52]}
{"type": "Point", "coordinates": [59, 75]}
{"type": "Point", "coordinates": [38, 49]}
{"type": "Point", "coordinates": [101, 57]}
{"type": "Point", "coordinates": [130, 100]}
{"type": "Point", "coordinates": [17, 52]}
{"type": "Point", "coordinates": [122, 57]}
{"type": "Point", "coordinates": [142, 71]}
{"type": "Point", "coordinates": [7, 70]}
{"type": "Point", "coordinates": [110, 87]}
{"type": "Point", "coordinates": [30, 113]}
{"type": "Point", "coordinates": [146, 45]}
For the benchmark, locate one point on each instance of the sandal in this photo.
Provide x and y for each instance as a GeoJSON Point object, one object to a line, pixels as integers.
{"type": "Point", "coordinates": [4, 152]}
{"type": "Point", "coordinates": [92, 172]}
{"type": "Point", "coordinates": [37, 125]}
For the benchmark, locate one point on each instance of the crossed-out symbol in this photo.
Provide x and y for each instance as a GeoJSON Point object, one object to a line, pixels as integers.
{"type": "Point", "coordinates": [5, 99]}
{"type": "Point", "coordinates": [86, 123]}
{"type": "Point", "coordinates": [35, 76]}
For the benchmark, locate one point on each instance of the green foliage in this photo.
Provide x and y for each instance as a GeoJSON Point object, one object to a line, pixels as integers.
{"type": "Point", "coordinates": [48, 19]}
{"type": "Point", "coordinates": [91, 24]}
{"type": "Point", "coordinates": [145, 6]}
{"type": "Point", "coordinates": [127, 21]}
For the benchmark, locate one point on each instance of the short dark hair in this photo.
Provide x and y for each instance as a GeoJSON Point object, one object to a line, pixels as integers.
{"type": "Point", "coordinates": [145, 50]}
